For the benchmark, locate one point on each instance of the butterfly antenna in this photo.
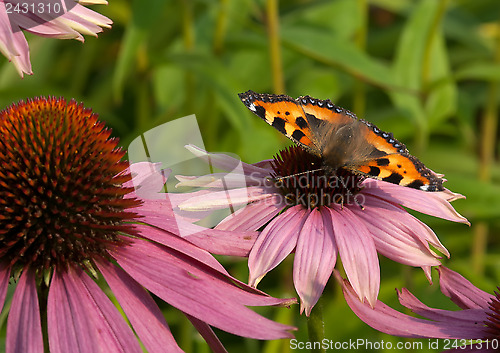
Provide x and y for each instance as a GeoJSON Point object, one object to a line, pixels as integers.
{"type": "Point", "coordinates": [302, 173]}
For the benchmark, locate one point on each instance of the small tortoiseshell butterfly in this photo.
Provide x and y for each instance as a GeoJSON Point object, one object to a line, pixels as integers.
{"type": "Point", "coordinates": [342, 140]}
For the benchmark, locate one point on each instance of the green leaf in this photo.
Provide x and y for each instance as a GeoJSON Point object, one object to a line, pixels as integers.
{"type": "Point", "coordinates": [409, 60]}
{"type": "Point", "coordinates": [327, 48]}
{"type": "Point", "coordinates": [482, 71]}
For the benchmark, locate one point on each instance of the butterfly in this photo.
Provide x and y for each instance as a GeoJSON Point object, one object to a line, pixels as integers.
{"type": "Point", "coordinates": [341, 140]}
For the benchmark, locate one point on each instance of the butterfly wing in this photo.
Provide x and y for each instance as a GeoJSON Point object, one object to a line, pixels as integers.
{"type": "Point", "coordinates": [393, 163]}
{"type": "Point", "coordinates": [362, 148]}
{"type": "Point", "coordinates": [342, 140]}
{"type": "Point", "coordinates": [285, 115]}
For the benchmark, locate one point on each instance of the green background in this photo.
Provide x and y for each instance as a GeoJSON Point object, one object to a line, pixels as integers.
{"type": "Point", "coordinates": [427, 70]}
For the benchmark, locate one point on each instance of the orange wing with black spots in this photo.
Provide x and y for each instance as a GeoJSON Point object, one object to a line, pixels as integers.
{"type": "Point", "coordinates": [284, 114]}
{"type": "Point", "coordinates": [342, 140]}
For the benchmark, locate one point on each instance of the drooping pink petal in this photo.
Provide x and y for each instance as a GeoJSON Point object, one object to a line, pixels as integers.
{"type": "Point", "coordinates": [147, 177]}
{"type": "Point", "coordinates": [181, 245]}
{"type": "Point", "coordinates": [4, 281]}
{"type": "Point", "coordinates": [461, 291]}
{"type": "Point", "coordinates": [208, 334]}
{"type": "Point", "coordinates": [110, 330]}
{"type": "Point", "coordinates": [84, 16]}
{"type": "Point", "coordinates": [234, 243]}
{"type": "Point", "coordinates": [143, 313]}
{"type": "Point", "coordinates": [42, 23]}
{"type": "Point", "coordinates": [157, 213]}
{"type": "Point", "coordinates": [465, 318]}
{"type": "Point", "coordinates": [275, 243]}
{"type": "Point", "coordinates": [392, 322]}
{"type": "Point", "coordinates": [13, 44]}
{"type": "Point", "coordinates": [357, 252]}
{"type": "Point", "coordinates": [70, 329]}
{"type": "Point", "coordinates": [24, 330]}
{"type": "Point", "coordinates": [198, 290]}
{"type": "Point", "coordinates": [226, 198]}
{"type": "Point", "coordinates": [436, 204]}
{"type": "Point", "coordinates": [222, 181]}
{"type": "Point", "coordinates": [225, 162]}
{"type": "Point", "coordinates": [253, 216]}
{"type": "Point", "coordinates": [315, 258]}
{"type": "Point", "coordinates": [396, 233]}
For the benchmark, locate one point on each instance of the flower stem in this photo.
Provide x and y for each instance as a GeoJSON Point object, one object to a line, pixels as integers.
{"type": "Point", "coordinates": [359, 92]}
{"type": "Point", "coordinates": [188, 37]}
{"type": "Point", "coordinates": [316, 327]}
{"type": "Point", "coordinates": [43, 294]}
{"type": "Point", "coordinates": [489, 125]}
{"type": "Point", "coordinates": [274, 46]}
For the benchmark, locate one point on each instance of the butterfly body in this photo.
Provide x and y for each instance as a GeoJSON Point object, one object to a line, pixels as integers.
{"type": "Point", "coordinates": [342, 140]}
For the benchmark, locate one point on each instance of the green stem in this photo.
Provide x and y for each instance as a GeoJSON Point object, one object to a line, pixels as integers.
{"type": "Point", "coordinates": [189, 44]}
{"type": "Point", "coordinates": [422, 138]}
{"type": "Point", "coordinates": [220, 27]}
{"type": "Point", "coordinates": [489, 125]}
{"type": "Point", "coordinates": [43, 294]}
{"type": "Point", "coordinates": [316, 328]}
{"type": "Point", "coordinates": [275, 46]}
{"type": "Point", "coordinates": [359, 99]}
{"type": "Point", "coordinates": [426, 63]}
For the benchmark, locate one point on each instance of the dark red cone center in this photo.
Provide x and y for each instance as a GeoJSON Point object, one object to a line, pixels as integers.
{"type": "Point", "coordinates": [61, 195]}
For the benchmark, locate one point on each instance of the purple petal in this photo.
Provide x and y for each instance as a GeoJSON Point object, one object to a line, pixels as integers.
{"type": "Point", "coordinates": [148, 180]}
{"type": "Point", "coordinates": [253, 216]}
{"type": "Point", "coordinates": [466, 318]}
{"type": "Point", "coordinates": [218, 200]}
{"type": "Point", "coordinates": [69, 327]}
{"type": "Point", "coordinates": [315, 258]}
{"type": "Point", "coordinates": [234, 243]}
{"type": "Point", "coordinates": [225, 162]}
{"type": "Point", "coordinates": [198, 290]}
{"type": "Point", "coordinates": [436, 204]}
{"type": "Point", "coordinates": [357, 252]}
{"type": "Point", "coordinates": [397, 234]}
{"type": "Point", "coordinates": [392, 322]}
{"type": "Point", "coordinates": [221, 181]}
{"type": "Point", "coordinates": [4, 281]}
{"type": "Point", "coordinates": [24, 330]}
{"type": "Point", "coordinates": [105, 322]}
{"type": "Point", "coordinates": [275, 243]}
{"type": "Point", "coordinates": [208, 334]}
{"type": "Point", "coordinates": [461, 291]}
{"type": "Point", "coordinates": [237, 243]}
{"type": "Point", "coordinates": [178, 244]}
{"type": "Point", "coordinates": [13, 44]}
{"type": "Point", "coordinates": [144, 315]}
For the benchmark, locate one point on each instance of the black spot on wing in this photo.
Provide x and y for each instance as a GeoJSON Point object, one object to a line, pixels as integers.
{"type": "Point", "coordinates": [279, 124]}
{"type": "Point", "coordinates": [415, 184]}
{"type": "Point", "coordinates": [382, 162]}
{"type": "Point", "coordinates": [297, 135]}
{"type": "Point", "coordinates": [374, 171]}
{"type": "Point", "coordinates": [313, 121]}
{"type": "Point", "coordinates": [260, 112]}
{"type": "Point", "coordinates": [301, 122]}
{"type": "Point", "coordinates": [394, 178]}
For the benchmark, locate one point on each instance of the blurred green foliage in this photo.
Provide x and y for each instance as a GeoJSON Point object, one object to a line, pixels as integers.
{"type": "Point", "coordinates": [426, 70]}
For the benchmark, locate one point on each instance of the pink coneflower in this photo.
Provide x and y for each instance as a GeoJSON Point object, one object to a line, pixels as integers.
{"type": "Point", "coordinates": [301, 209]}
{"type": "Point", "coordinates": [479, 318]}
{"type": "Point", "coordinates": [63, 19]}
{"type": "Point", "coordinates": [69, 215]}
